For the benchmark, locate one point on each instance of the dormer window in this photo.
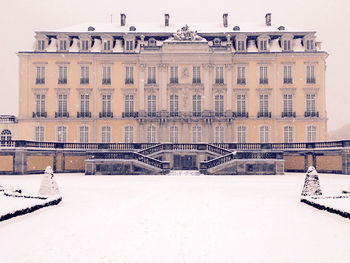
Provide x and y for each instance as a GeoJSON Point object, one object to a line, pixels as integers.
{"type": "Point", "coordinates": [41, 44]}
{"type": "Point", "coordinates": [310, 44]}
{"type": "Point", "coordinates": [217, 42]}
{"type": "Point", "coordinates": [129, 45]}
{"type": "Point", "coordinates": [263, 43]}
{"type": "Point", "coordinates": [85, 45]}
{"type": "Point", "coordinates": [286, 45]}
{"type": "Point", "coordinates": [241, 43]}
{"type": "Point", "coordinates": [107, 45]}
{"type": "Point", "coordinates": [286, 42]}
{"type": "Point", "coordinates": [152, 42]}
{"type": "Point", "coordinates": [63, 45]}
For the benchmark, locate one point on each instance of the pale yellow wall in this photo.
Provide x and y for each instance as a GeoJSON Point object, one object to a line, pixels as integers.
{"type": "Point", "coordinates": [294, 162]}
{"type": "Point", "coordinates": [329, 163]}
{"type": "Point", "coordinates": [74, 162]}
{"type": "Point", "coordinates": [6, 163]}
{"type": "Point", "coordinates": [38, 162]}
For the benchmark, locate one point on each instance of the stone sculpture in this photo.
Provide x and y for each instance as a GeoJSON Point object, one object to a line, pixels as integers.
{"type": "Point", "coordinates": [312, 184]}
{"type": "Point", "coordinates": [48, 184]}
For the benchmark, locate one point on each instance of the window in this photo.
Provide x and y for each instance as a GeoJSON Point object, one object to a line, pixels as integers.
{"type": "Point", "coordinates": [287, 74]}
{"type": "Point", "coordinates": [197, 134]}
{"type": "Point", "coordinates": [106, 134]}
{"type": "Point", "coordinates": [63, 45]}
{"type": "Point", "coordinates": [84, 75]}
{"type": "Point", "coordinates": [240, 45]}
{"type": "Point", "coordinates": [310, 74]}
{"type": "Point", "coordinates": [39, 133]}
{"type": "Point", "coordinates": [41, 45]}
{"type": "Point", "coordinates": [107, 45]}
{"type": "Point", "coordinates": [241, 103]}
{"type": "Point", "coordinates": [174, 75]}
{"type": "Point", "coordinates": [128, 134]}
{"type": "Point", "coordinates": [196, 75]}
{"type": "Point", "coordinates": [152, 105]}
{"type": "Point", "coordinates": [219, 75]}
{"type": "Point", "coordinates": [310, 105]}
{"type": "Point", "coordinates": [6, 137]}
{"type": "Point", "coordinates": [62, 105]}
{"type": "Point", "coordinates": [84, 45]}
{"type": "Point", "coordinates": [85, 105]}
{"type": "Point", "coordinates": [263, 45]}
{"type": "Point", "coordinates": [106, 75]}
{"type": "Point", "coordinates": [129, 105]}
{"type": "Point", "coordinates": [219, 105]}
{"type": "Point", "coordinates": [40, 105]}
{"type": "Point", "coordinates": [241, 75]}
{"type": "Point", "coordinates": [174, 105]}
{"type": "Point", "coordinates": [263, 75]}
{"type": "Point", "coordinates": [61, 133]}
{"type": "Point", "coordinates": [152, 42]}
{"type": "Point", "coordinates": [287, 105]}
{"type": "Point", "coordinates": [219, 134]}
{"type": "Point", "coordinates": [174, 134]}
{"type": "Point", "coordinates": [196, 105]}
{"type": "Point", "coordinates": [151, 134]}
{"type": "Point", "coordinates": [62, 74]}
{"type": "Point", "coordinates": [264, 134]}
{"type": "Point", "coordinates": [241, 134]}
{"type": "Point", "coordinates": [310, 44]}
{"type": "Point", "coordinates": [83, 134]}
{"type": "Point", "coordinates": [40, 75]}
{"type": "Point", "coordinates": [288, 133]}
{"type": "Point", "coordinates": [151, 75]}
{"type": "Point", "coordinates": [287, 45]}
{"type": "Point", "coordinates": [263, 105]}
{"type": "Point", "coordinates": [311, 133]}
{"type": "Point", "coordinates": [106, 105]}
{"type": "Point", "coordinates": [129, 45]}
{"type": "Point", "coordinates": [129, 75]}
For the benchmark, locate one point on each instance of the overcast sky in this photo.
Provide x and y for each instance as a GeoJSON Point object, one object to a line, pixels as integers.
{"type": "Point", "coordinates": [19, 19]}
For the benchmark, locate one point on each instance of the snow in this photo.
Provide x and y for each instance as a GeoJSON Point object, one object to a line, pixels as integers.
{"type": "Point", "coordinates": [340, 202]}
{"type": "Point", "coordinates": [177, 219]}
{"type": "Point", "coordinates": [251, 46]}
{"type": "Point", "coordinates": [10, 204]}
{"type": "Point", "coordinates": [275, 46]}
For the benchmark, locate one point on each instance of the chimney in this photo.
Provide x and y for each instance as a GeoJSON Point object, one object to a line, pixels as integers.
{"type": "Point", "coordinates": [224, 16]}
{"type": "Point", "coordinates": [268, 19]}
{"type": "Point", "coordinates": [122, 19]}
{"type": "Point", "coordinates": [166, 21]}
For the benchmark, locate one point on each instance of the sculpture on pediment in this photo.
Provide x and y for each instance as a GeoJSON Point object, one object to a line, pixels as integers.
{"type": "Point", "coordinates": [186, 35]}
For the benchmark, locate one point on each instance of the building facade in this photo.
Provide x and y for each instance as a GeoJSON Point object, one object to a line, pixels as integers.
{"type": "Point", "coordinates": [129, 83]}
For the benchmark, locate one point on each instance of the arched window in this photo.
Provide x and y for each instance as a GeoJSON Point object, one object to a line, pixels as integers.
{"type": "Point", "coordinates": [6, 137]}
{"type": "Point", "coordinates": [152, 42]}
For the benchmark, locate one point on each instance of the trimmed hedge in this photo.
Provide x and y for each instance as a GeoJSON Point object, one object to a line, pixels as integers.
{"type": "Point", "coordinates": [328, 209]}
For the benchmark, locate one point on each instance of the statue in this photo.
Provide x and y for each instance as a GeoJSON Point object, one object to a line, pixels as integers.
{"type": "Point", "coordinates": [186, 35]}
{"type": "Point", "coordinates": [312, 184]}
{"type": "Point", "coordinates": [48, 184]}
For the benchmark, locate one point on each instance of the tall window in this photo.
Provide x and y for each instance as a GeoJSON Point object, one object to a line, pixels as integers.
{"type": "Point", "coordinates": [241, 134]}
{"type": "Point", "coordinates": [61, 133]}
{"type": "Point", "coordinates": [129, 134]}
{"type": "Point", "coordinates": [174, 105]}
{"type": "Point", "coordinates": [84, 75]}
{"type": "Point", "coordinates": [241, 75]}
{"type": "Point", "coordinates": [174, 74]}
{"type": "Point", "coordinates": [174, 134]}
{"type": "Point", "coordinates": [310, 104]}
{"type": "Point", "coordinates": [39, 133]}
{"type": "Point", "coordinates": [63, 45]}
{"type": "Point", "coordinates": [310, 74]}
{"type": "Point", "coordinates": [287, 45]}
{"type": "Point", "coordinates": [310, 44]}
{"type": "Point", "coordinates": [6, 137]}
{"type": "Point", "coordinates": [152, 105]}
{"type": "Point", "coordinates": [151, 134]}
{"type": "Point", "coordinates": [84, 134]}
{"type": "Point", "coordinates": [41, 45]}
{"type": "Point", "coordinates": [62, 74]}
{"type": "Point", "coordinates": [196, 75]}
{"type": "Point", "coordinates": [107, 45]}
{"type": "Point", "coordinates": [288, 105]}
{"type": "Point", "coordinates": [40, 75]}
{"type": "Point", "coordinates": [129, 75]}
{"type": "Point", "coordinates": [84, 45]}
{"type": "Point", "coordinates": [196, 105]}
{"type": "Point", "coordinates": [40, 105]}
{"type": "Point", "coordinates": [106, 75]}
{"type": "Point", "coordinates": [219, 105]}
{"type": "Point", "coordinates": [84, 103]}
{"type": "Point", "coordinates": [106, 104]}
{"type": "Point", "coordinates": [311, 133]}
{"type": "Point", "coordinates": [240, 45]}
{"type": "Point", "coordinates": [264, 134]}
{"type": "Point", "coordinates": [106, 134]}
{"type": "Point", "coordinates": [219, 75]}
{"type": "Point", "coordinates": [241, 103]}
{"type": "Point", "coordinates": [197, 134]}
{"type": "Point", "coordinates": [219, 134]}
{"type": "Point", "coordinates": [288, 133]}
{"type": "Point", "coordinates": [263, 45]}
{"type": "Point", "coordinates": [287, 74]}
{"type": "Point", "coordinates": [62, 105]}
{"type": "Point", "coordinates": [264, 79]}
{"type": "Point", "coordinates": [263, 105]}
{"type": "Point", "coordinates": [129, 45]}
{"type": "Point", "coordinates": [129, 105]}
{"type": "Point", "coordinates": [151, 75]}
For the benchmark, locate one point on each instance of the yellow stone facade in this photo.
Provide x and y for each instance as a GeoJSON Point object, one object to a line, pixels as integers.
{"type": "Point", "coordinates": [280, 96]}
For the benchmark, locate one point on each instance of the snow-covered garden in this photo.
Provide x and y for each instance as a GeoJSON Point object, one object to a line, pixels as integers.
{"type": "Point", "coordinates": [176, 219]}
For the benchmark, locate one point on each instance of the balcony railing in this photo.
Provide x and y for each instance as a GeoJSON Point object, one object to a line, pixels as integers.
{"type": "Point", "coordinates": [263, 81]}
{"type": "Point", "coordinates": [288, 114]}
{"type": "Point", "coordinates": [241, 81]}
{"type": "Point", "coordinates": [151, 114]}
{"type": "Point", "coordinates": [264, 114]}
{"type": "Point", "coordinates": [39, 114]}
{"type": "Point", "coordinates": [174, 80]}
{"type": "Point", "coordinates": [287, 81]}
{"type": "Point", "coordinates": [106, 114]}
{"type": "Point", "coordinates": [240, 114]}
{"type": "Point", "coordinates": [196, 81]}
{"type": "Point", "coordinates": [63, 114]}
{"type": "Point", "coordinates": [219, 81]}
{"type": "Point", "coordinates": [310, 80]}
{"type": "Point", "coordinates": [130, 114]}
{"type": "Point", "coordinates": [62, 81]}
{"type": "Point", "coordinates": [196, 114]}
{"type": "Point", "coordinates": [106, 82]}
{"type": "Point", "coordinates": [151, 81]}
{"type": "Point", "coordinates": [219, 114]}
{"type": "Point", "coordinates": [174, 114]}
{"type": "Point", "coordinates": [84, 81]}
{"type": "Point", "coordinates": [40, 81]}
{"type": "Point", "coordinates": [84, 114]}
{"type": "Point", "coordinates": [311, 114]}
{"type": "Point", "coordinates": [129, 81]}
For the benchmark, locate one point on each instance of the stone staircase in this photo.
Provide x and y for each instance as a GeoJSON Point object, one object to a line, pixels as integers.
{"type": "Point", "coordinates": [184, 173]}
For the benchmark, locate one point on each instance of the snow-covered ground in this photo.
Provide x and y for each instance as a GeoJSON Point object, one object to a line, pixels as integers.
{"type": "Point", "coordinates": [177, 219]}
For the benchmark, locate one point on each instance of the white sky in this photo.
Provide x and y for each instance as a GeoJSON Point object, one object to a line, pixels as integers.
{"type": "Point", "coordinates": [19, 19]}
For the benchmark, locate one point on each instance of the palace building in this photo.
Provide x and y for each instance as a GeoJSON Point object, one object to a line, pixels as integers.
{"type": "Point", "coordinates": [178, 83]}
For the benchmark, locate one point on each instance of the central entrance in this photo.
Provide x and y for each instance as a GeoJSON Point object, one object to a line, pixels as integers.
{"type": "Point", "coordinates": [185, 162]}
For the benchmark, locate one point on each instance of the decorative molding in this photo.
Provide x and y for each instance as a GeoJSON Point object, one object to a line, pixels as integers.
{"type": "Point", "coordinates": [62, 90]}
{"type": "Point", "coordinates": [129, 91]}
{"type": "Point", "coordinates": [84, 90]}
{"type": "Point", "coordinates": [264, 90]}
{"type": "Point", "coordinates": [142, 67]}
{"type": "Point", "coordinates": [105, 91]}
{"type": "Point", "coordinates": [185, 73]}
{"type": "Point", "coordinates": [40, 90]}
{"type": "Point", "coordinates": [288, 90]}
{"type": "Point", "coordinates": [311, 90]}
{"type": "Point", "coordinates": [207, 66]}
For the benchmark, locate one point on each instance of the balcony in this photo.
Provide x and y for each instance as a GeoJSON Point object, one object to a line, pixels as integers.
{"type": "Point", "coordinates": [288, 114]}
{"type": "Point", "coordinates": [240, 114]}
{"type": "Point", "coordinates": [263, 81]}
{"type": "Point", "coordinates": [106, 81]}
{"type": "Point", "coordinates": [62, 81]}
{"type": "Point", "coordinates": [151, 114]}
{"type": "Point", "coordinates": [196, 114]}
{"type": "Point", "coordinates": [311, 114]}
{"type": "Point", "coordinates": [83, 114]}
{"type": "Point", "coordinates": [287, 81]}
{"type": "Point", "coordinates": [84, 81]}
{"type": "Point", "coordinates": [63, 114]}
{"type": "Point", "coordinates": [196, 81]}
{"type": "Point", "coordinates": [129, 81]}
{"type": "Point", "coordinates": [39, 114]}
{"type": "Point", "coordinates": [106, 114]}
{"type": "Point", "coordinates": [219, 81]}
{"type": "Point", "coordinates": [310, 81]}
{"type": "Point", "coordinates": [130, 114]}
{"type": "Point", "coordinates": [264, 114]}
{"type": "Point", "coordinates": [151, 81]}
{"type": "Point", "coordinates": [241, 81]}
{"type": "Point", "coordinates": [39, 81]}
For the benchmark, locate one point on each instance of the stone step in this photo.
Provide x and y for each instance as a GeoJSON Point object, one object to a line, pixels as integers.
{"type": "Point", "coordinates": [184, 173]}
